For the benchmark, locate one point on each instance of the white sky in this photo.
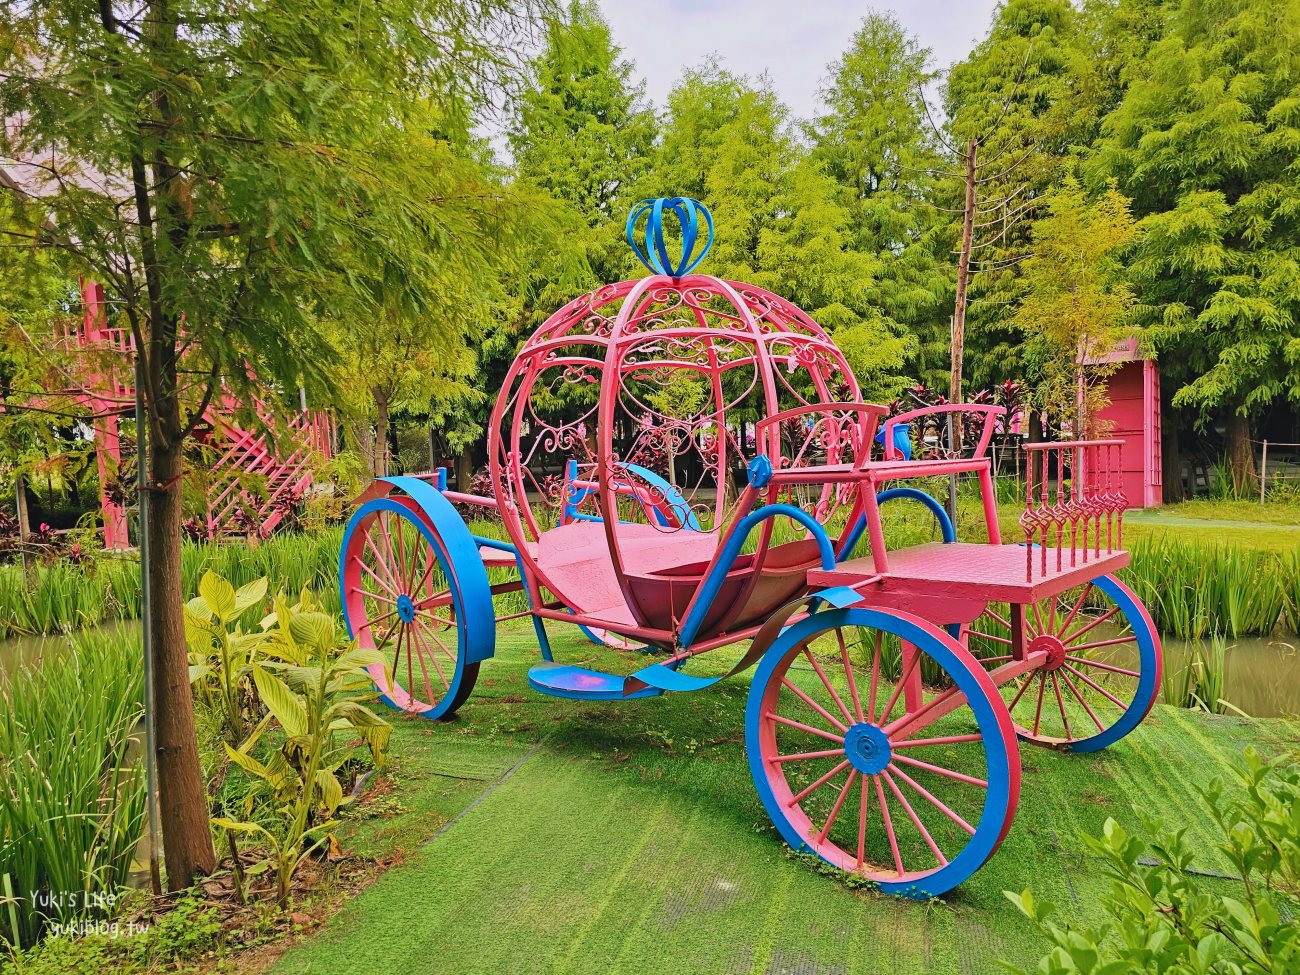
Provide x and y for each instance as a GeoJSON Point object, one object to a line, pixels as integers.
{"type": "Point", "coordinates": [792, 41]}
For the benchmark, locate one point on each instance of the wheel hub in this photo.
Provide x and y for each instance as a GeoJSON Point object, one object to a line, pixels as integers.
{"type": "Point", "coordinates": [405, 608]}
{"type": "Point", "coordinates": [1054, 647]}
{"type": "Point", "coordinates": [867, 748]}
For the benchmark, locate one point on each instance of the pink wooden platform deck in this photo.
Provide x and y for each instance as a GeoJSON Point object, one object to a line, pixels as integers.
{"type": "Point", "coordinates": [972, 570]}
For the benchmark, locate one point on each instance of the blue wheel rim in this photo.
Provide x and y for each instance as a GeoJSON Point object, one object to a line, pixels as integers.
{"type": "Point", "coordinates": [1001, 756]}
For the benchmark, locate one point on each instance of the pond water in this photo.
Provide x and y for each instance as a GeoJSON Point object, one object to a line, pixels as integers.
{"type": "Point", "coordinates": [31, 650]}
{"type": "Point", "coordinates": [1263, 673]}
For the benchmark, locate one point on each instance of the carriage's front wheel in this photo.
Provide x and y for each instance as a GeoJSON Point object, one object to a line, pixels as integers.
{"type": "Point", "coordinates": [878, 743]}
{"type": "Point", "coordinates": [414, 587]}
{"type": "Point", "coordinates": [1103, 669]}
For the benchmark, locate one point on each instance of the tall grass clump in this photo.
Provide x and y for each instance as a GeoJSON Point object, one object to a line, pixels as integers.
{"type": "Point", "coordinates": [1201, 682]}
{"type": "Point", "coordinates": [1193, 589]}
{"type": "Point", "coordinates": [72, 793]}
{"type": "Point", "coordinates": [63, 597]}
{"type": "Point", "coordinates": [1291, 583]}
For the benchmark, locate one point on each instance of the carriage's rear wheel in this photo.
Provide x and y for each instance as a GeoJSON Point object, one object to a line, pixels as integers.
{"type": "Point", "coordinates": [1103, 670]}
{"type": "Point", "coordinates": [414, 588]}
{"type": "Point", "coordinates": [857, 760]}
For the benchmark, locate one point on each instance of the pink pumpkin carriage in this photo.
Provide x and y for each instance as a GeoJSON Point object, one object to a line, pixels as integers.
{"type": "Point", "coordinates": [683, 464]}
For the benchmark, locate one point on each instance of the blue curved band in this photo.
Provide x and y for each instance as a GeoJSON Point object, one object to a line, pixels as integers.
{"type": "Point", "coordinates": [1146, 689]}
{"type": "Point", "coordinates": [727, 557]}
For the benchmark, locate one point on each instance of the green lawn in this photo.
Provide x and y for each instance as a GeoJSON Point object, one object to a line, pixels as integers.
{"type": "Point", "coordinates": [563, 836]}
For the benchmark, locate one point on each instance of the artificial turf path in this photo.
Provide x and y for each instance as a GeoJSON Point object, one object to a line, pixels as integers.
{"type": "Point", "coordinates": [562, 836]}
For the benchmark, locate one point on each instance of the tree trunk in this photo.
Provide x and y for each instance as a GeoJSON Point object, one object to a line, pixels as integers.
{"type": "Point", "coordinates": [465, 469]}
{"type": "Point", "coordinates": [963, 279]}
{"type": "Point", "coordinates": [1241, 453]}
{"type": "Point", "coordinates": [187, 844]}
{"type": "Point", "coordinates": [380, 456]}
{"type": "Point", "coordinates": [362, 439]}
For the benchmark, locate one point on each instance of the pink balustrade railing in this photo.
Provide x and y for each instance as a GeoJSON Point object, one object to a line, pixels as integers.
{"type": "Point", "coordinates": [1073, 490]}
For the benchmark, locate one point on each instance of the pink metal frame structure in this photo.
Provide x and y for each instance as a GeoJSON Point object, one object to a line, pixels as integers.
{"type": "Point", "coordinates": [105, 387]}
{"type": "Point", "coordinates": [683, 463]}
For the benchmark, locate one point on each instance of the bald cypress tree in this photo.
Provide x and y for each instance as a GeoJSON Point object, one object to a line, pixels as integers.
{"type": "Point", "coordinates": [1207, 143]}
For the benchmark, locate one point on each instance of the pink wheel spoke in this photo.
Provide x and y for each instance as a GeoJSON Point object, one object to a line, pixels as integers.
{"type": "Point", "coordinates": [989, 636]}
{"type": "Point", "coordinates": [835, 809]}
{"type": "Point", "coordinates": [902, 683]}
{"type": "Point", "coordinates": [925, 793]}
{"type": "Point", "coordinates": [397, 653]}
{"type": "Point", "coordinates": [1115, 642]}
{"type": "Point", "coordinates": [916, 721]}
{"type": "Point", "coordinates": [424, 628]}
{"type": "Point", "coordinates": [410, 668]}
{"type": "Point", "coordinates": [785, 682]}
{"type": "Point", "coordinates": [863, 803]}
{"type": "Point", "coordinates": [1051, 617]}
{"type": "Point", "coordinates": [940, 770]}
{"type": "Point", "coordinates": [994, 616]}
{"type": "Point", "coordinates": [1038, 618]}
{"type": "Point", "coordinates": [848, 715]}
{"type": "Point", "coordinates": [428, 686]}
{"type": "Point", "coordinates": [1029, 679]}
{"type": "Point", "coordinates": [402, 566]}
{"type": "Point", "coordinates": [1078, 605]}
{"type": "Point", "coordinates": [848, 673]}
{"type": "Point", "coordinates": [433, 659]}
{"type": "Point", "coordinates": [369, 624]}
{"type": "Point", "coordinates": [392, 564]}
{"type": "Point", "coordinates": [1085, 628]}
{"type": "Point", "coordinates": [1060, 703]}
{"type": "Point", "coordinates": [806, 756]}
{"type": "Point", "coordinates": [916, 820]}
{"type": "Point", "coordinates": [379, 561]}
{"type": "Point", "coordinates": [387, 633]}
{"type": "Point", "coordinates": [1079, 697]}
{"type": "Point", "coordinates": [1038, 711]}
{"type": "Point", "coordinates": [428, 571]}
{"type": "Point", "coordinates": [889, 825]}
{"type": "Point", "coordinates": [1097, 687]}
{"type": "Point", "coordinates": [781, 719]}
{"type": "Point", "coordinates": [382, 599]}
{"type": "Point", "coordinates": [875, 679]}
{"type": "Point", "coordinates": [1101, 666]}
{"type": "Point", "coordinates": [946, 740]}
{"type": "Point", "coordinates": [801, 795]}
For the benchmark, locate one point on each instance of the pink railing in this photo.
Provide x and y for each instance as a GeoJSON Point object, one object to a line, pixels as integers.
{"type": "Point", "coordinates": [1083, 493]}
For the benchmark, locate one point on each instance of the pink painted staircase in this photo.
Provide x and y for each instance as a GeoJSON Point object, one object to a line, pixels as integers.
{"type": "Point", "coordinates": [251, 485]}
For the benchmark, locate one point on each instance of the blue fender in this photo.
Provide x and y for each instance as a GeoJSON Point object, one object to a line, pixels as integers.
{"type": "Point", "coordinates": [457, 554]}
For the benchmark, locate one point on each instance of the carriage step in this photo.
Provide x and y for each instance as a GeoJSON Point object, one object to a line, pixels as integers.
{"type": "Point", "coordinates": [562, 680]}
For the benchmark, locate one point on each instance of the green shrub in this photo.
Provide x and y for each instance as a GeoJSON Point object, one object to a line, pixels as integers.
{"type": "Point", "coordinates": [314, 687]}
{"type": "Point", "coordinates": [1169, 918]}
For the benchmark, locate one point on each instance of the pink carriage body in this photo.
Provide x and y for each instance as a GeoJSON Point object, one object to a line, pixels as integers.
{"type": "Point", "coordinates": [737, 354]}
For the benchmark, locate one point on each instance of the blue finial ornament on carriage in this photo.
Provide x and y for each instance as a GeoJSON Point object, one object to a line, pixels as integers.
{"type": "Point", "coordinates": [681, 464]}
{"type": "Point", "coordinates": [652, 249]}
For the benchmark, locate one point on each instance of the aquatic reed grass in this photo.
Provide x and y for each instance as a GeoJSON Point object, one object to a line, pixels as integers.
{"type": "Point", "coordinates": [72, 796]}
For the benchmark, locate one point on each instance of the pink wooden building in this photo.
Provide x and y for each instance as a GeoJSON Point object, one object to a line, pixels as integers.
{"type": "Point", "coordinates": [1133, 416]}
